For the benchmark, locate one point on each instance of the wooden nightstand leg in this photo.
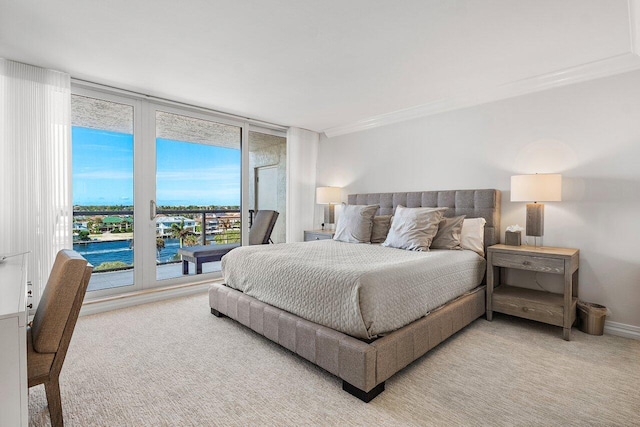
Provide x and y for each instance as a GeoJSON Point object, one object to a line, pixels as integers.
{"type": "Point", "coordinates": [491, 277]}
{"type": "Point", "coordinates": [568, 299]}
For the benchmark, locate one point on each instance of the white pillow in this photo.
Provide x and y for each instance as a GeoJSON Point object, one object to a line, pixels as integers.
{"type": "Point", "coordinates": [355, 223]}
{"type": "Point", "coordinates": [413, 228]}
{"type": "Point", "coordinates": [472, 237]}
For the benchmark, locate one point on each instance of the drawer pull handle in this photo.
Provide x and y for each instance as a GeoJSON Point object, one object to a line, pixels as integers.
{"type": "Point", "coordinates": [317, 238]}
{"type": "Point", "coordinates": [526, 262]}
{"type": "Point", "coordinates": [525, 309]}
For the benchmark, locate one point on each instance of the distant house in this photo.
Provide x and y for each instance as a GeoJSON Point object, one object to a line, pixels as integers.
{"type": "Point", "coordinates": [116, 223]}
{"type": "Point", "coordinates": [211, 223]}
{"type": "Point", "coordinates": [80, 226]}
{"type": "Point", "coordinates": [229, 220]}
{"type": "Point", "coordinates": [164, 223]}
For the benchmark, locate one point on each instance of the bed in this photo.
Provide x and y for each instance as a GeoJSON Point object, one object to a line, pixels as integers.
{"type": "Point", "coordinates": [285, 292]}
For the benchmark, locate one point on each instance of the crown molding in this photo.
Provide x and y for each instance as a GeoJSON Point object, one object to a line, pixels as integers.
{"type": "Point", "coordinates": [634, 25]}
{"type": "Point", "coordinates": [617, 64]}
{"type": "Point", "coordinates": [580, 73]}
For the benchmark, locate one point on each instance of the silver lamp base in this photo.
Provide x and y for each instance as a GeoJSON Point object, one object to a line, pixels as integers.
{"type": "Point", "coordinates": [329, 215]}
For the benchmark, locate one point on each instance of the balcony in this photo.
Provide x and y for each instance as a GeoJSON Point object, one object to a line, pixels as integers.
{"type": "Point", "coordinates": [118, 278]}
{"type": "Point", "coordinates": [111, 248]}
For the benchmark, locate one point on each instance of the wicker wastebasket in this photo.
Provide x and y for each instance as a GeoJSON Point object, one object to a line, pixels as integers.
{"type": "Point", "coordinates": [591, 317]}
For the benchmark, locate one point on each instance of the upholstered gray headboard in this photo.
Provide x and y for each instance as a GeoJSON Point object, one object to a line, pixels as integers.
{"type": "Point", "coordinates": [472, 203]}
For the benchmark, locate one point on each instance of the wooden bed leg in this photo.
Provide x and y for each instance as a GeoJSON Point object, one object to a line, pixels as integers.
{"type": "Point", "coordinates": [216, 312]}
{"type": "Point", "coordinates": [365, 396]}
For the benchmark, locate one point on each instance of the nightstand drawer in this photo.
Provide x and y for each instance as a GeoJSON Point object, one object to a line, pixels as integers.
{"type": "Point", "coordinates": [531, 304]}
{"type": "Point", "coordinates": [533, 263]}
{"type": "Point", "coordinates": [309, 236]}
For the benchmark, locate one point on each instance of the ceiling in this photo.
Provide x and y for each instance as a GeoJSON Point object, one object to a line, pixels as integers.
{"type": "Point", "coordinates": [307, 63]}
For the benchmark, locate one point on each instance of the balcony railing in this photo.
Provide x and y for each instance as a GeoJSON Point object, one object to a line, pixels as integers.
{"type": "Point", "coordinates": [226, 228]}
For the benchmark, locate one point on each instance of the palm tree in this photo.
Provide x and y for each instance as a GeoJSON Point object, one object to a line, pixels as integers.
{"type": "Point", "coordinates": [224, 223]}
{"type": "Point", "coordinates": [191, 240]}
{"type": "Point", "coordinates": [179, 232]}
{"type": "Point", "coordinates": [159, 244]}
{"type": "Point", "coordinates": [96, 222]}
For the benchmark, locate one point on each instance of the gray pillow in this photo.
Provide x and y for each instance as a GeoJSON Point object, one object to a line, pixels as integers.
{"type": "Point", "coordinates": [381, 225]}
{"type": "Point", "coordinates": [355, 223]}
{"type": "Point", "coordinates": [413, 228]}
{"type": "Point", "coordinates": [449, 233]}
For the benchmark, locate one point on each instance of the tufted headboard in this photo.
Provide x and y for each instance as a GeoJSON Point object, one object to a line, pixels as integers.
{"type": "Point", "coordinates": [472, 203]}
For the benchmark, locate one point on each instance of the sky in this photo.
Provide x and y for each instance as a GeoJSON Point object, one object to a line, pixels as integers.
{"type": "Point", "coordinates": [186, 173]}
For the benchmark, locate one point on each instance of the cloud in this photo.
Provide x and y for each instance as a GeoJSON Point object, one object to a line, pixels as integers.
{"type": "Point", "coordinates": [200, 196]}
{"type": "Point", "coordinates": [111, 149]}
{"type": "Point", "coordinates": [104, 174]}
{"type": "Point", "coordinates": [224, 173]}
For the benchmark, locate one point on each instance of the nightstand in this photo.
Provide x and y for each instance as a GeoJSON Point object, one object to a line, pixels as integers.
{"type": "Point", "coordinates": [310, 235]}
{"type": "Point", "coordinates": [547, 307]}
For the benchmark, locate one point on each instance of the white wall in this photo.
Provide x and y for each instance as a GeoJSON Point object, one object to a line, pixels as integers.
{"type": "Point", "coordinates": [589, 132]}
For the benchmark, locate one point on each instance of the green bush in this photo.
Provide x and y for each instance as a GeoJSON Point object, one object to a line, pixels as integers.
{"type": "Point", "coordinates": [112, 265]}
{"type": "Point", "coordinates": [229, 236]}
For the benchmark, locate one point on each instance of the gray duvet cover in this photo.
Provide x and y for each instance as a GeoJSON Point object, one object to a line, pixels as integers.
{"type": "Point", "coordinates": [360, 289]}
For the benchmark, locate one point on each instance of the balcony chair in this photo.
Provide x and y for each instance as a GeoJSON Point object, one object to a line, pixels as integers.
{"type": "Point", "coordinates": [50, 333]}
{"type": "Point", "coordinates": [263, 223]}
{"type": "Point", "coordinates": [259, 234]}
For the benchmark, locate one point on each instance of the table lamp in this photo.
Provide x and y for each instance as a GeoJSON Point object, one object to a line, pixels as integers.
{"type": "Point", "coordinates": [536, 188]}
{"type": "Point", "coordinates": [329, 196]}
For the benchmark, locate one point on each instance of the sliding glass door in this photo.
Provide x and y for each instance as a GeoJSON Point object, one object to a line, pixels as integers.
{"type": "Point", "coordinates": [150, 178]}
{"type": "Point", "coordinates": [268, 177]}
{"type": "Point", "coordinates": [197, 188]}
{"type": "Point", "coordinates": [104, 133]}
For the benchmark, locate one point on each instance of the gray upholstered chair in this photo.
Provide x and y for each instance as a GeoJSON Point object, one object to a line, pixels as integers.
{"type": "Point", "coordinates": [259, 234]}
{"type": "Point", "coordinates": [50, 333]}
{"type": "Point", "coordinates": [262, 227]}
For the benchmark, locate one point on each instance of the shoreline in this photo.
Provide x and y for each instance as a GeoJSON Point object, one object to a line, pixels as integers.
{"type": "Point", "coordinates": [115, 237]}
{"type": "Point", "coordinates": [106, 237]}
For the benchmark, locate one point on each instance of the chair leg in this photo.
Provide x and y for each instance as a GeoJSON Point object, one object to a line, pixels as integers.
{"type": "Point", "coordinates": [185, 267]}
{"type": "Point", "coordinates": [52, 388]}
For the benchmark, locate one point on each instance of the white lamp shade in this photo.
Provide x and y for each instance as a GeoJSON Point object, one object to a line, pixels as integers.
{"type": "Point", "coordinates": [327, 195]}
{"type": "Point", "coordinates": [536, 188]}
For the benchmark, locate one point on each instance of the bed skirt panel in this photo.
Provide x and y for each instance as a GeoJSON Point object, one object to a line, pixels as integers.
{"type": "Point", "coordinates": [400, 348]}
{"type": "Point", "coordinates": [342, 355]}
{"type": "Point", "coordinates": [361, 364]}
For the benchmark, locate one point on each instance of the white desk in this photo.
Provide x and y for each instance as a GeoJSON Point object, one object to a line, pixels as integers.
{"type": "Point", "coordinates": [13, 342]}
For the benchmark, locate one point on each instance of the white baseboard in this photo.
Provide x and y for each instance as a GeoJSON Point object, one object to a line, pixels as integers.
{"type": "Point", "coordinates": [137, 298]}
{"type": "Point", "coordinates": [622, 330]}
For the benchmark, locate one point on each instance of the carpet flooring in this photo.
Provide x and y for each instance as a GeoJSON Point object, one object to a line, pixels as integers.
{"type": "Point", "coordinates": [172, 363]}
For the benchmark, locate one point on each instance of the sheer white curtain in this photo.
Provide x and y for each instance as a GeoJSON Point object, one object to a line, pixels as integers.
{"type": "Point", "coordinates": [35, 162]}
{"type": "Point", "coordinates": [302, 155]}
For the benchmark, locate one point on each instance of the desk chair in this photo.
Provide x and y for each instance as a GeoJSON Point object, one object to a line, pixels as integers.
{"type": "Point", "coordinates": [49, 336]}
